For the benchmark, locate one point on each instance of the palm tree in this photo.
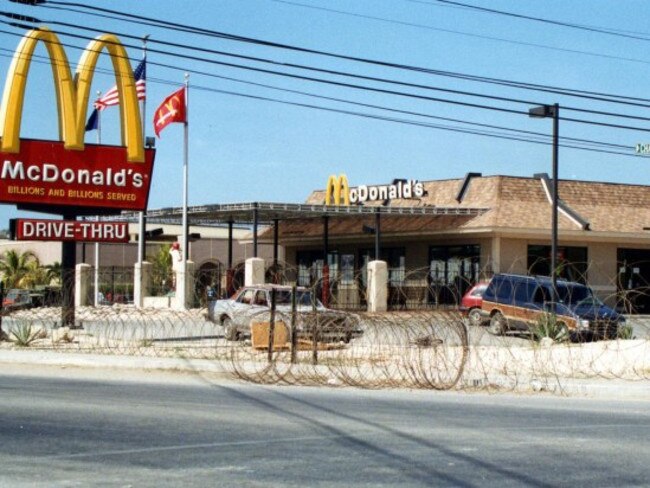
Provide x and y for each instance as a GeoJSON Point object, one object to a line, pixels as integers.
{"type": "Point", "coordinates": [161, 272]}
{"type": "Point", "coordinates": [14, 266]}
{"type": "Point", "coordinates": [53, 273]}
{"type": "Point", "coordinates": [35, 274]}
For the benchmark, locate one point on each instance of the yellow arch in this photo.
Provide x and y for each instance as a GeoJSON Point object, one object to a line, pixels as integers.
{"type": "Point", "coordinates": [337, 190]}
{"type": "Point", "coordinates": [72, 95]}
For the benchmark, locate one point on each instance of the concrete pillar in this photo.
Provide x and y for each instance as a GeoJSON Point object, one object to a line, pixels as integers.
{"type": "Point", "coordinates": [82, 276]}
{"type": "Point", "coordinates": [141, 283]}
{"type": "Point", "coordinates": [377, 286]}
{"type": "Point", "coordinates": [184, 297]}
{"type": "Point", "coordinates": [495, 255]}
{"type": "Point", "coordinates": [254, 272]}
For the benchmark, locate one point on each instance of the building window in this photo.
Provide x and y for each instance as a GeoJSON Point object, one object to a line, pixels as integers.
{"type": "Point", "coordinates": [347, 268]}
{"type": "Point", "coordinates": [571, 261]}
{"type": "Point", "coordinates": [310, 267]}
{"type": "Point", "coordinates": [452, 270]}
{"type": "Point", "coordinates": [395, 260]}
{"type": "Point", "coordinates": [633, 283]}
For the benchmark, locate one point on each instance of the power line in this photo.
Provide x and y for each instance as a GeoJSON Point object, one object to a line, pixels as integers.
{"type": "Point", "coordinates": [415, 123]}
{"type": "Point", "coordinates": [538, 138]}
{"type": "Point", "coordinates": [138, 19]}
{"type": "Point", "coordinates": [587, 28]}
{"type": "Point", "coordinates": [371, 89]}
{"type": "Point", "coordinates": [361, 77]}
{"type": "Point", "coordinates": [457, 32]}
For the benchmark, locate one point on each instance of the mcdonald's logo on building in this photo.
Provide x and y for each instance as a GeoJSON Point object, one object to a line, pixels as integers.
{"type": "Point", "coordinates": [338, 190]}
{"type": "Point", "coordinates": [46, 175]}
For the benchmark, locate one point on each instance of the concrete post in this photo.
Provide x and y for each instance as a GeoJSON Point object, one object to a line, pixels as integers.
{"type": "Point", "coordinates": [377, 286]}
{"type": "Point", "coordinates": [82, 277]}
{"type": "Point", "coordinates": [184, 297]}
{"type": "Point", "coordinates": [254, 272]}
{"type": "Point", "coordinates": [141, 283]}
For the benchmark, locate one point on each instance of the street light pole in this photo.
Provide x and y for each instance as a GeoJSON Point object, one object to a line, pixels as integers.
{"type": "Point", "coordinates": [554, 223]}
{"type": "Point", "coordinates": [546, 111]}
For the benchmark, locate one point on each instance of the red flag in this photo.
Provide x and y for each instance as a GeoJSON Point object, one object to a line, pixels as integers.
{"type": "Point", "coordinates": [171, 110]}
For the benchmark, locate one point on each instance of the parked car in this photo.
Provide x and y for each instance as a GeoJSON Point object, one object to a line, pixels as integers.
{"type": "Point", "coordinates": [470, 304]}
{"type": "Point", "coordinates": [235, 314]}
{"type": "Point", "coordinates": [17, 299]}
{"type": "Point", "coordinates": [516, 302]}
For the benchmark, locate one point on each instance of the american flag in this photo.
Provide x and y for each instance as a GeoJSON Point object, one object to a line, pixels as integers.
{"type": "Point", "coordinates": [111, 96]}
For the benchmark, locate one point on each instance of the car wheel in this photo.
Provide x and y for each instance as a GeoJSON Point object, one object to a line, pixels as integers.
{"type": "Point", "coordinates": [474, 317]}
{"type": "Point", "coordinates": [498, 324]}
{"type": "Point", "coordinates": [229, 329]}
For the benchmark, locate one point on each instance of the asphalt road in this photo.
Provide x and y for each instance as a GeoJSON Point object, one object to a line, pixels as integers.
{"type": "Point", "coordinates": [77, 427]}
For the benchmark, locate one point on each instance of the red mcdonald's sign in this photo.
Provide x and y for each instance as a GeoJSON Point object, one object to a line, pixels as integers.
{"type": "Point", "coordinates": [44, 173]}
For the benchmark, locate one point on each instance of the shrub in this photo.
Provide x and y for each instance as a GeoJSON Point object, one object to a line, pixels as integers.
{"type": "Point", "coordinates": [547, 325]}
{"type": "Point", "coordinates": [24, 334]}
{"type": "Point", "coordinates": [625, 332]}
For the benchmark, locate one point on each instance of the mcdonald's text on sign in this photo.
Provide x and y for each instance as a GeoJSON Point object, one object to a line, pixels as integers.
{"type": "Point", "coordinates": [338, 191]}
{"type": "Point", "coordinates": [51, 175]}
{"type": "Point", "coordinates": [45, 173]}
{"type": "Point", "coordinates": [69, 230]}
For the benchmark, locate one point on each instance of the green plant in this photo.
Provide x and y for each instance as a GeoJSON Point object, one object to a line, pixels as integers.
{"type": "Point", "coordinates": [24, 334]}
{"type": "Point", "coordinates": [548, 325]}
{"type": "Point", "coordinates": [625, 332]}
{"type": "Point", "coordinates": [161, 269]}
{"type": "Point", "coordinates": [17, 268]}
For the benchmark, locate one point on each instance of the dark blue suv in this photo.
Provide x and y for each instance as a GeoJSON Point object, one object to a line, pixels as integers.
{"type": "Point", "coordinates": [515, 302]}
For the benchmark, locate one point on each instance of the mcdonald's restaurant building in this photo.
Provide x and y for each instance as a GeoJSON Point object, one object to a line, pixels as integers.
{"type": "Point", "coordinates": [440, 237]}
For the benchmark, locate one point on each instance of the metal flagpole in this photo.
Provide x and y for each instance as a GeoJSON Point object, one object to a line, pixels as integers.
{"type": "Point", "coordinates": [142, 227]}
{"type": "Point", "coordinates": [99, 141]}
{"type": "Point", "coordinates": [185, 182]}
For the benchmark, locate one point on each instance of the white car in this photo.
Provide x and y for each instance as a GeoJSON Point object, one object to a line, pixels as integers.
{"type": "Point", "coordinates": [235, 314]}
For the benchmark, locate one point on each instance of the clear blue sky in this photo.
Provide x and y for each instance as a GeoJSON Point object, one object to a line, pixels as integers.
{"type": "Point", "coordinates": [247, 149]}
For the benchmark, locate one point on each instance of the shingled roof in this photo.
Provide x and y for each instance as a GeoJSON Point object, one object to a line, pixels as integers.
{"type": "Point", "coordinates": [512, 203]}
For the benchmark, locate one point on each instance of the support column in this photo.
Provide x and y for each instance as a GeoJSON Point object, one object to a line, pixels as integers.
{"type": "Point", "coordinates": [82, 285]}
{"type": "Point", "coordinates": [184, 297]}
{"type": "Point", "coordinates": [495, 257]}
{"type": "Point", "coordinates": [254, 272]}
{"type": "Point", "coordinates": [140, 287]}
{"type": "Point", "coordinates": [377, 235]}
{"type": "Point", "coordinates": [377, 286]}
{"type": "Point", "coordinates": [141, 282]}
{"type": "Point", "coordinates": [325, 294]}
{"type": "Point", "coordinates": [276, 271]}
{"type": "Point", "coordinates": [230, 289]}
{"type": "Point", "coordinates": [255, 224]}
{"type": "Point", "coordinates": [68, 261]}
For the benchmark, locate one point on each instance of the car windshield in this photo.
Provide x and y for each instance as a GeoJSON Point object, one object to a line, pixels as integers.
{"type": "Point", "coordinates": [13, 294]}
{"type": "Point", "coordinates": [283, 297]}
{"type": "Point", "coordinates": [478, 290]}
{"type": "Point", "coordinates": [574, 295]}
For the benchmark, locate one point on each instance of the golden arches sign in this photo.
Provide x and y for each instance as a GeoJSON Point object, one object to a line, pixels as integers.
{"type": "Point", "coordinates": [337, 191]}
{"type": "Point", "coordinates": [72, 94]}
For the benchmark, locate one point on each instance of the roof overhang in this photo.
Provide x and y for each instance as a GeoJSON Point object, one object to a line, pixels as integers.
{"type": "Point", "coordinates": [268, 213]}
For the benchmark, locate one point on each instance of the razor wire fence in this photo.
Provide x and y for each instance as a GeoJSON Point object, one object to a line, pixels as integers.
{"type": "Point", "coordinates": [422, 349]}
{"type": "Point", "coordinates": [422, 341]}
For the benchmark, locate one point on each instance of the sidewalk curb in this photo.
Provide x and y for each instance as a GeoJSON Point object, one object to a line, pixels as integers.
{"type": "Point", "coordinates": [611, 389]}
{"type": "Point", "coordinates": [49, 358]}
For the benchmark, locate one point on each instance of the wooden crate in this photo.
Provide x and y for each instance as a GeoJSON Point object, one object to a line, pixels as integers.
{"type": "Point", "coordinates": [260, 335]}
